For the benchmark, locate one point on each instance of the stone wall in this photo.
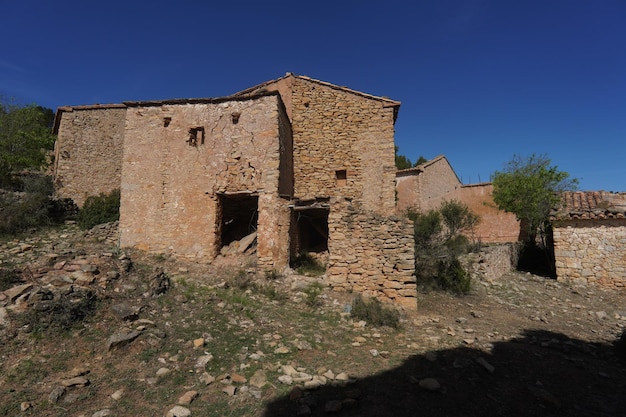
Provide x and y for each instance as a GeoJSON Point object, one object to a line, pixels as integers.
{"type": "Point", "coordinates": [182, 159]}
{"type": "Point", "coordinates": [591, 251]}
{"type": "Point", "coordinates": [343, 146]}
{"type": "Point", "coordinates": [371, 254]}
{"type": "Point", "coordinates": [343, 142]}
{"type": "Point", "coordinates": [493, 261]}
{"type": "Point", "coordinates": [88, 151]}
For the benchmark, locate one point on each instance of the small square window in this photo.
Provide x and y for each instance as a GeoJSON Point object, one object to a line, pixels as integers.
{"type": "Point", "coordinates": [196, 136]}
{"type": "Point", "coordinates": [341, 177]}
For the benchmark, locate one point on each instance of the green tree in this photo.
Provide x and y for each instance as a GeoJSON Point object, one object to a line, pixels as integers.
{"type": "Point", "coordinates": [25, 138]}
{"type": "Point", "coordinates": [402, 162]}
{"type": "Point", "coordinates": [458, 218]}
{"type": "Point", "coordinates": [530, 187]}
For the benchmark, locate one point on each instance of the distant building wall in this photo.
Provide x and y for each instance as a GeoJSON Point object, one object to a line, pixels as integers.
{"type": "Point", "coordinates": [591, 251]}
{"type": "Point", "coordinates": [183, 162]}
{"type": "Point", "coordinates": [427, 186]}
{"type": "Point", "coordinates": [88, 151]}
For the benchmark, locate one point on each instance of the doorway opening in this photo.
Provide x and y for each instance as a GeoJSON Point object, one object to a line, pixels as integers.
{"type": "Point", "coordinates": [239, 219]}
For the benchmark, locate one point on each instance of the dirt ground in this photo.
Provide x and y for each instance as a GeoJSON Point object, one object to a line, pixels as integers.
{"type": "Point", "coordinates": [521, 345]}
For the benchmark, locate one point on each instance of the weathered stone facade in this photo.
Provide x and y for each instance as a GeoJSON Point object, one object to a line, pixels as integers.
{"type": "Point", "coordinates": [371, 254]}
{"type": "Point", "coordinates": [304, 164]}
{"type": "Point", "coordinates": [88, 150]}
{"type": "Point", "coordinates": [342, 141]}
{"type": "Point", "coordinates": [589, 232]}
{"type": "Point", "coordinates": [428, 185]}
{"type": "Point", "coordinates": [182, 164]}
{"type": "Point", "coordinates": [591, 252]}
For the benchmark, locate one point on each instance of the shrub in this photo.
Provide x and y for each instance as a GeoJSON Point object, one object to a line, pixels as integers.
{"type": "Point", "coordinates": [305, 264]}
{"type": "Point", "coordinates": [20, 211]}
{"type": "Point", "coordinates": [58, 311]}
{"type": "Point", "coordinates": [103, 208]}
{"type": "Point", "coordinates": [439, 243]}
{"type": "Point", "coordinates": [451, 276]}
{"type": "Point", "coordinates": [313, 291]}
{"type": "Point", "coordinates": [374, 312]}
{"type": "Point", "coordinates": [9, 277]}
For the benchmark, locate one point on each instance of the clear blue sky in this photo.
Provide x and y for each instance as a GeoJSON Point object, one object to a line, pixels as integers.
{"type": "Point", "coordinates": [479, 81]}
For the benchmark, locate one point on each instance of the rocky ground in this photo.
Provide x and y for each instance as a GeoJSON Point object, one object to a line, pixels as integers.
{"type": "Point", "coordinates": [87, 330]}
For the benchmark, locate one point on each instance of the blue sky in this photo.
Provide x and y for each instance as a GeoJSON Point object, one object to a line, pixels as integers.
{"type": "Point", "coordinates": [479, 80]}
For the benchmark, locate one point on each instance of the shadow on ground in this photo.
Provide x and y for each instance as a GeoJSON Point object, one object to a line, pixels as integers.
{"type": "Point", "coordinates": [539, 374]}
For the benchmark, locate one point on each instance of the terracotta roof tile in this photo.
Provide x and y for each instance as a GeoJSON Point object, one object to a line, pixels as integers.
{"type": "Point", "coordinates": [590, 205]}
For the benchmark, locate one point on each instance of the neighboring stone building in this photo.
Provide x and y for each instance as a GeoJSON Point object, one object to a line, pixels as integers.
{"type": "Point", "coordinates": [88, 150]}
{"type": "Point", "coordinates": [426, 186]}
{"type": "Point", "coordinates": [307, 165]}
{"type": "Point", "coordinates": [589, 232]}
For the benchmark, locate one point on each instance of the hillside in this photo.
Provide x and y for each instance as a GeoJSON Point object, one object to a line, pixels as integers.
{"type": "Point", "coordinates": [88, 330]}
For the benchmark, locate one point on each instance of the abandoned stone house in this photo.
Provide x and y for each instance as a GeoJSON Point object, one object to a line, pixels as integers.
{"type": "Point", "coordinates": [589, 231]}
{"type": "Point", "coordinates": [306, 165]}
{"type": "Point", "coordinates": [427, 185]}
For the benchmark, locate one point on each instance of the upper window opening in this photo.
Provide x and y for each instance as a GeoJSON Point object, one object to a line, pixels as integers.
{"type": "Point", "coordinates": [167, 121]}
{"type": "Point", "coordinates": [196, 136]}
{"type": "Point", "coordinates": [341, 177]}
{"type": "Point", "coordinates": [235, 117]}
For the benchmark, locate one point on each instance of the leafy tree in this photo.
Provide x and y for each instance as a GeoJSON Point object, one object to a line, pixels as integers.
{"type": "Point", "coordinates": [458, 218]}
{"type": "Point", "coordinates": [402, 162]}
{"type": "Point", "coordinates": [25, 137]}
{"type": "Point", "coordinates": [530, 187]}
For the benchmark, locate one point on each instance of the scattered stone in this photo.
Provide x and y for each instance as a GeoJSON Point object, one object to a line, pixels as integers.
{"type": "Point", "coordinates": [56, 394]}
{"type": "Point", "coordinates": [121, 339]}
{"type": "Point", "coordinates": [239, 379]}
{"type": "Point", "coordinates": [124, 312]}
{"type": "Point", "coordinates": [342, 377]}
{"type": "Point", "coordinates": [102, 413]}
{"type": "Point", "coordinates": [203, 360]}
{"type": "Point", "coordinates": [179, 411]}
{"type": "Point", "coordinates": [288, 370]}
{"type": "Point", "coordinates": [187, 397]}
{"type": "Point", "coordinates": [295, 394]}
{"type": "Point", "coordinates": [15, 292]}
{"type": "Point", "coordinates": [229, 390]}
{"type": "Point", "coordinates": [161, 372]}
{"type": "Point", "coordinates": [374, 352]}
{"type": "Point", "coordinates": [282, 350]}
{"type": "Point", "coordinates": [259, 379]}
{"type": "Point", "coordinates": [429, 384]}
{"type": "Point", "coordinates": [197, 343]}
{"type": "Point", "coordinates": [79, 381]}
{"type": "Point", "coordinates": [285, 379]}
{"type": "Point", "coordinates": [207, 379]}
{"type": "Point", "coordinates": [117, 395]}
{"type": "Point", "coordinates": [482, 362]}
{"type": "Point", "coordinates": [25, 406]}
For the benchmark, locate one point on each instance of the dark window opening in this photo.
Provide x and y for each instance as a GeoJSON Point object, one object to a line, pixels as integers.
{"type": "Point", "coordinates": [239, 217]}
{"type": "Point", "coordinates": [341, 177]}
{"type": "Point", "coordinates": [167, 121]}
{"type": "Point", "coordinates": [235, 117]}
{"type": "Point", "coordinates": [311, 230]}
{"type": "Point", "coordinates": [196, 136]}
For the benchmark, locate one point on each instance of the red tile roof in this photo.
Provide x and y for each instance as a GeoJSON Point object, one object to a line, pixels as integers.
{"type": "Point", "coordinates": [591, 205]}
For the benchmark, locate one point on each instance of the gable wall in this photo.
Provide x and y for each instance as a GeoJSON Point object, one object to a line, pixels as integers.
{"type": "Point", "coordinates": [591, 252]}
{"type": "Point", "coordinates": [88, 152]}
{"type": "Point", "coordinates": [337, 130]}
